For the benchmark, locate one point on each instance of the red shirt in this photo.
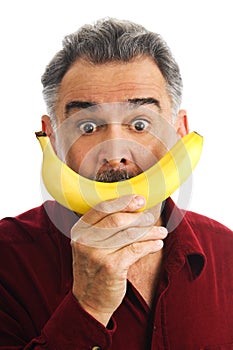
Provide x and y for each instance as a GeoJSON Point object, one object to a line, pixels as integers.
{"type": "Point", "coordinates": [193, 305]}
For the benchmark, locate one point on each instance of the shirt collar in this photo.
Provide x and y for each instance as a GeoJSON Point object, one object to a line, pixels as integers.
{"type": "Point", "coordinates": [181, 245]}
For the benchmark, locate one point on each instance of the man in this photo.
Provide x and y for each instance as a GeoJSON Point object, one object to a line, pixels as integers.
{"type": "Point", "coordinates": [170, 287]}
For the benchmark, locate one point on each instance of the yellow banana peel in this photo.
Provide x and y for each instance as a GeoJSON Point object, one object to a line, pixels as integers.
{"type": "Point", "coordinates": [79, 194]}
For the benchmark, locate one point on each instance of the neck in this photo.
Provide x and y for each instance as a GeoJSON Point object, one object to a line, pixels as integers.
{"type": "Point", "coordinates": [144, 274]}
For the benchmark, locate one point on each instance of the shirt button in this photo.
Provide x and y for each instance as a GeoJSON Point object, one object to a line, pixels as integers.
{"type": "Point", "coordinates": [96, 348]}
{"type": "Point", "coordinates": [154, 328]}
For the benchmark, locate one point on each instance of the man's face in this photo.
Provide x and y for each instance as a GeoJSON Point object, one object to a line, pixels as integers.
{"type": "Point", "coordinates": [114, 120]}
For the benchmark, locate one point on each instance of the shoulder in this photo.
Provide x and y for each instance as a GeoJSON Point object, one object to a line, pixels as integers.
{"type": "Point", "coordinates": [211, 234]}
{"type": "Point", "coordinates": [201, 223]}
{"type": "Point", "coordinates": [22, 228]}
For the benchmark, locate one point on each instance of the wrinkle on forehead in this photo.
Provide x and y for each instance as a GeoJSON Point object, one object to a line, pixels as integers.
{"type": "Point", "coordinates": [113, 82]}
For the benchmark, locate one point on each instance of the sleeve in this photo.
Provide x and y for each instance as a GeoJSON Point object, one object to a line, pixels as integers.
{"type": "Point", "coordinates": [70, 327]}
{"type": "Point", "coordinates": [34, 313]}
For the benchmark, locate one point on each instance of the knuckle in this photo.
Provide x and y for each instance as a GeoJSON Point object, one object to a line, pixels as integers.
{"type": "Point", "coordinates": [115, 205]}
{"type": "Point", "coordinates": [117, 220]}
{"type": "Point", "coordinates": [76, 245]}
{"type": "Point", "coordinates": [109, 206]}
{"type": "Point", "coordinates": [135, 233]}
{"type": "Point", "coordinates": [136, 248]}
{"type": "Point", "coordinates": [109, 267]}
{"type": "Point", "coordinates": [104, 207]}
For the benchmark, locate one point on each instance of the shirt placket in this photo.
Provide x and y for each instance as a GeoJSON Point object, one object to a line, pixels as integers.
{"type": "Point", "coordinates": [159, 338]}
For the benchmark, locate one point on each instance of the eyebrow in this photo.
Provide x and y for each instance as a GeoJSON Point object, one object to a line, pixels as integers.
{"type": "Point", "coordinates": [145, 101]}
{"type": "Point", "coordinates": [134, 101]}
{"type": "Point", "coordinates": [78, 104]}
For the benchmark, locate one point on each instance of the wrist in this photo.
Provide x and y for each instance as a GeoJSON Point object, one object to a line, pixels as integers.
{"type": "Point", "coordinates": [102, 317]}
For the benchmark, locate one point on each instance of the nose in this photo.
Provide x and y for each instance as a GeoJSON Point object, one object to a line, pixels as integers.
{"type": "Point", "coordinates": [115, 163]}
{"type": "Point", "coordinates": [115, 149]}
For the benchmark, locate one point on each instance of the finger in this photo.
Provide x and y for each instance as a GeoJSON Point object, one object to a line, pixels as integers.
{"type": "Point", "coordinates": [135, 251]}
{"type": "Point", "coordinates": [112, 238]}
{"type": "Point", "coordinates": [129, 203]}
{"type": "Point", "coordinates": [121, 220]}
{"type": "Point", "coordinates": [109, 227]}
{"type": "Point", "coordinates": [118, 221]}
{"type": "Point", "coordinates": [155, 233]}
{"type": "Point", "coordinates": [132, 234]}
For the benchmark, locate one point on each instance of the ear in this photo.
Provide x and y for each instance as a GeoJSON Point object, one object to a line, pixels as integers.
{"type": "Point", "coordinates": [48, 129]}
{"type": "Point", "coordinates": [181, 123]}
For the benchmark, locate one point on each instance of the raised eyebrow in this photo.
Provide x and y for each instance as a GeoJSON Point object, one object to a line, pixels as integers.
{"type": "Point", "coordinates": [86, 104]}
{"type": "Point", "coordinates": [78, 104]}
{"type": "Point", "coordinates": [144, 101]}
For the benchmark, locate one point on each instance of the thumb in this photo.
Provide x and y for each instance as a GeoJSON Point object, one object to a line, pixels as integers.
{"type": "Point", "coordinates": [128, 203]}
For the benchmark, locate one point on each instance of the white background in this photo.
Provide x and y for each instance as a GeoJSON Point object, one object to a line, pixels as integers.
{"type": "Point", "coordinates": [199, 34]}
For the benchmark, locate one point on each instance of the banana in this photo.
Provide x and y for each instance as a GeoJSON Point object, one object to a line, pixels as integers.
{"type": "Point", "coordinates": [79, 194]}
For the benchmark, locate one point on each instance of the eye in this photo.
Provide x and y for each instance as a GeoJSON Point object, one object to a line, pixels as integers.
{"type": "Point", "coordinates": [87, 127]}
{"type": "Point", "coordinates": [140, 125]}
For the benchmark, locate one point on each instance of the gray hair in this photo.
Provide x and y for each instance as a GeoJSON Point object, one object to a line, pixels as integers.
{"type": "Point", "coordinates": [111, 40]}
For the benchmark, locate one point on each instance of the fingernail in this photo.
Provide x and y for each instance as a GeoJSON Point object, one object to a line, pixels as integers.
{"type": "Point", "coordinates": [139, 201]}
{"type": "Point", "coordinates": [163, 230]}
{"type": "Point", "coordinates": [159, 244]}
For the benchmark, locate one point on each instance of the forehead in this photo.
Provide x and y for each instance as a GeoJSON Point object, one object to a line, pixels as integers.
{"type": "Point", "coordinates": [112, 82]}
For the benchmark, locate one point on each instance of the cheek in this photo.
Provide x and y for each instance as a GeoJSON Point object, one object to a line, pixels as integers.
{"type": "Point", "coordinates": [158, 148]}
{"type": "Point", "coordinates": [74, 158]}
{"type": "Point", "coordinates": [155, 150]}
{"type": "Point", "coordinates": [162, 138]}
{"type": "Point", "coordinates": [80, 159]}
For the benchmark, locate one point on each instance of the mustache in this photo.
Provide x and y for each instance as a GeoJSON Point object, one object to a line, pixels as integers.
{"type": "Point", "coordinates": [115, 175]}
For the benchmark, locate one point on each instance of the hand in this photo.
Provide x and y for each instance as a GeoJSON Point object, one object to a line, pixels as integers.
{"type": "Point", "coordinates": [118, 236]}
